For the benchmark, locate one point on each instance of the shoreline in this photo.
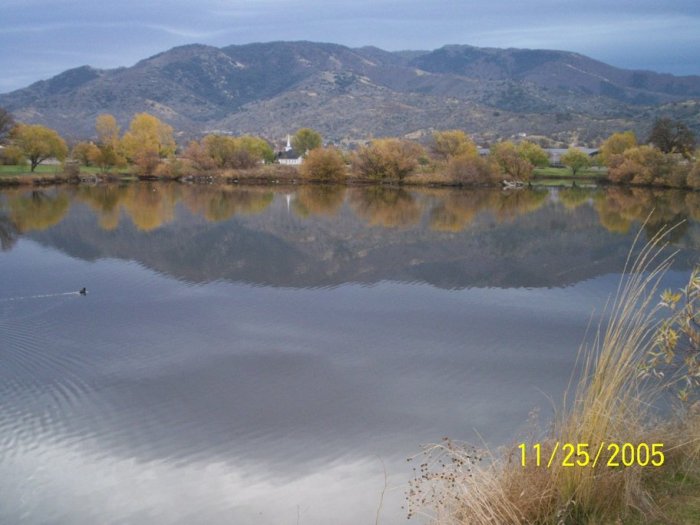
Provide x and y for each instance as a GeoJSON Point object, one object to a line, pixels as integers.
{"type": "Point", "coordinates": [286, 176]}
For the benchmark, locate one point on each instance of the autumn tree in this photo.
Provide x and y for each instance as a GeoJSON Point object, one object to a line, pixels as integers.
{"type": "Point", "coordinates": [231, 152]}
{"type": "Point", "coordinates": [86, 153]}
{"type": "Point", "coordinates": [672, 136]}
{"type": "Point", "coordinates": [575, 160]}
{"type": "Point", "coordinates": [646, 165]}
{"type": "Point", "coordinates": [511, 162]}
{"type": "Point", "coordinates": [257, 147]}
{"type": "Point", "coordinates": [323, 164]}
{"type": "Point", "coordinates": [473, 170]}
{"type": "Point", "coordinates": [221, 149]}
{"type": "Point", "coordinates": [108, 142]}
{"type": "Point", "coordinates": [197, 155]}
{"type": "Point", "coordinates": [533, 153]}
{"type": "Point", "coordinates": [616, 144]}
{"type": "Point", "coordinates": [693, 180]}
{"type": "Point", "coordinates": [107, 130]}
{"type": "Point", "coordinates": [387, 159]}
{"type": "Point", "coordinates": [306, 139]}
{"type": "Point", "coordinates": [12, 156]}
{"type": "Point", "coordinates": [147, 141]}
{"type": "Point", "coordinates": [38, 143]}
{"type": "Point", "coordinates": [453, 143]}
{"type": "Point", "coordinates": [7, 123]}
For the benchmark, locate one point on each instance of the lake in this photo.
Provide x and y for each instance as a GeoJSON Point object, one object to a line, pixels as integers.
{"type": "Point", "coordinates": [273, 355]}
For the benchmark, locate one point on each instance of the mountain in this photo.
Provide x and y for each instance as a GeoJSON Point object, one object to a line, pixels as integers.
{"type": "Point", "coordinates": [274, 88]}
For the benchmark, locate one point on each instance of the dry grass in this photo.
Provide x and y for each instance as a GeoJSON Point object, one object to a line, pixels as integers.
{"type": "Point", "coordinates": [608, 403]}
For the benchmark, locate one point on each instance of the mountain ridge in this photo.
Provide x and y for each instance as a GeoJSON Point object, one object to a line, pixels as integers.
{"type": "Point", "coordinates": [272, 88]}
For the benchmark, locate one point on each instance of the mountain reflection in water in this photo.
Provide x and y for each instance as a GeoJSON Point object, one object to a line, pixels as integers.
{"type": "Point", "coordinates": [261, 355]}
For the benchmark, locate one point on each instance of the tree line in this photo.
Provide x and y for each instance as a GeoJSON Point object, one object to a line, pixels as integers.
{"type": "Point", "coordinates": [667, 158]}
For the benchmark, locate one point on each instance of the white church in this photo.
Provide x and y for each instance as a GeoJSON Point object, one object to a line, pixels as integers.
{"type": "Point", "coordinates": [289, 156]}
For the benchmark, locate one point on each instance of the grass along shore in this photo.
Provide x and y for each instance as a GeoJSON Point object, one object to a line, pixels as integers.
{"type": "Point", "coordinates": [609, 403]}
{"type": "Point", "coordinates": [268, 174]}
{"type": "Point", "coordinates": [262, 175]}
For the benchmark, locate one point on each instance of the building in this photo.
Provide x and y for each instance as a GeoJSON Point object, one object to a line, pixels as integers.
{"type": "Point", "coordinates": [289, 157]}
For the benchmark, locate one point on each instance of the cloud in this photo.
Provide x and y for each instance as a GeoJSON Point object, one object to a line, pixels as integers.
{"type": "Point", "coordinates": [84, 483]}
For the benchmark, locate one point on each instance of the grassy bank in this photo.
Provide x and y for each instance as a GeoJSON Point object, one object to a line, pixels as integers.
{"type": "Point", "coordinates": [274, 174]}
{"type": "Point", "coordinates": [565, 173]}
{"type": "Point", "coordinates": [608, 404]}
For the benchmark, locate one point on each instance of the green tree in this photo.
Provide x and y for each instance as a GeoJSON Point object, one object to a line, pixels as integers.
{"type": "Point", "coordinates": [575, 160]}
{"type": "Point", "coordinates": [533, 153]}
{"type": "Point", "coordinates": [7, 123]}
{"type": "Point", "coordinates": [616, 144]}
{"type": "Point", "coordinates": [672, 136]}
{"type": "Point", "coordinates": [258, 148]}
{"type": "Point", "coordinates": [306, 139]}
{"type": "Point", "coordinates": [38, 143]}
{"type": "Point", "coordinates": [452, 143]}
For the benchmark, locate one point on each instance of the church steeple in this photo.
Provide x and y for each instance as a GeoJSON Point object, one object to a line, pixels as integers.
{"type": "Point", "coordinates": [288, 147]}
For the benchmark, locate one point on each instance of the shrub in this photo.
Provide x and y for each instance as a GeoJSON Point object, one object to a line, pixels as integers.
{"type": "Point", "coordinates": [646, 165]}
{"type": "Point", "coordinates": [453, 143]}
{"type": "Point", "coordinates": [693, 179]}
{"type": "Point", "coordinates": [471, 170]}
{"type": "Point", "coordinates": [12, 155]}
{"type": "Point", "coordinates": [387, 159]}
{"type": "Point", "coordinates": [173, 169]}
{"type": "Point", "coordinates": [323, 164]}
{"type": "Point", "coordinates": [616, 144]}
{"type": "Point", "coordinates": [86, 153]}
{"type": "Point", "coordinates": [511, 161]}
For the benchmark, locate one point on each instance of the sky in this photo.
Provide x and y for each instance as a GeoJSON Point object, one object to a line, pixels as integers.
{"type": "Point", "coordinates": [41, 38]}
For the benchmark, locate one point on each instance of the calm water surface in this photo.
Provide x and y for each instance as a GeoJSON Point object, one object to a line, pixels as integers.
{"type": "Point", "coordinates": [253, 356]}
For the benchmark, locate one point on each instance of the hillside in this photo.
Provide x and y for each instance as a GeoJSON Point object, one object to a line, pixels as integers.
{"type": "Point", "coordinates": [274, 88]}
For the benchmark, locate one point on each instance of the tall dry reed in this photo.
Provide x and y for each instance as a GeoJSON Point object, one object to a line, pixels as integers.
{"type": "Point", "coordinates": [607, 402]}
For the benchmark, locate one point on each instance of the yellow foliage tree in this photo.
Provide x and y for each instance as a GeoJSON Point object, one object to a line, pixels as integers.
{"type": "Point", "coordinates": [86, 153]}
{"type": "Point", "coordinates": [108, 142]}
{"type": "Point", "coordinates": [107, 130]}
{"type": "Point", "coordinates": [147, 141]}
{"type": "Point", "coordinates": [511, 162]}
{"type": "Point", "coordinates": [452, 143]}
{"type": "Point", "coordinates": [387, 159]}
{"type": "Point", "coordinates": [616, 144]}
{"type": "Point", "coordinates": [575, 160]}
{"type": "Point", "coordinates": [39, 143]}
{"type": "Point", "coordinates": [533, 153]}
{"type": "Point", "coordinates": [222, 151]}
{"type": "Point", "coordinates": [323, 164]}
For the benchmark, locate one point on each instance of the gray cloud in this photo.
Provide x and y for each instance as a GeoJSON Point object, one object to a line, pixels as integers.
{"type": "Point", "coordinates": [41, 38]}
